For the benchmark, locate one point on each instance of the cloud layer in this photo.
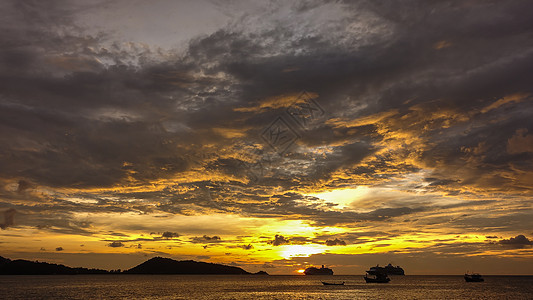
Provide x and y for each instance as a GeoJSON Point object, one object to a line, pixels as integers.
{"type": "Point", "coordinates": [426, 105]}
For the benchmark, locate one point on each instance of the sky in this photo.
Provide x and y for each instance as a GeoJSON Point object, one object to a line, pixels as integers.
{"type": "Point", "coordinates": [269, 135]}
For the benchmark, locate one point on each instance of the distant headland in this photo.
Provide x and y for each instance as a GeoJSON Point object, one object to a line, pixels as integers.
{"type": "Point", "coordinates": [156, 265]}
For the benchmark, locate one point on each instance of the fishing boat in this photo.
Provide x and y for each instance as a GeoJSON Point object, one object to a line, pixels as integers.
{"type": "Point", "coordinates": [332, 283]}
{"type": "Point", "coordinates": [377, 278]}
{"type": "Point", "coordinates": [474, 277]}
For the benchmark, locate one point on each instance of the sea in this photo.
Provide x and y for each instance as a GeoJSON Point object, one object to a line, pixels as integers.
{"type": "Point", "coordinates": [259, 287]}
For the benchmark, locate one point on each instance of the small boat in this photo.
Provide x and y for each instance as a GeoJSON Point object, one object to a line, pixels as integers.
{"type": "Point", "coordinates": [474, 277]}
{"type": "Point", "coordinates": [377, 279]}
{"type": "Point", "coordinates": [332, 283]}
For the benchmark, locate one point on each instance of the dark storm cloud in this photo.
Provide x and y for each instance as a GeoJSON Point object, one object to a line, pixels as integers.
{"type": "Point", "coordinates": [79, 126]}
{"type": "Point", "coordinates": [325, 68]}
{"type": "Point", "coordinates": [419, 86]}
{"type": "Point", "coordinates": [413, 53]}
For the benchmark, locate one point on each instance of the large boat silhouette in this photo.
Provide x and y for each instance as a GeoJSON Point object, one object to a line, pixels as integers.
{"type": "Point", "coordinates": [474, 277]}
{"type": "Point", "coordinates": [317, 271]}
{"type": "Point", "coordinates": [388, 270]}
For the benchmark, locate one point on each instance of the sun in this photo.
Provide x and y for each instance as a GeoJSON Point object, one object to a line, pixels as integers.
{"type": "Point", "coordinates": [301, 271]}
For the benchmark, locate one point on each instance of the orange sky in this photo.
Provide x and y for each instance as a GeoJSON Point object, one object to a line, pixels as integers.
{"type": "Point", "coordinates": [270, 137]}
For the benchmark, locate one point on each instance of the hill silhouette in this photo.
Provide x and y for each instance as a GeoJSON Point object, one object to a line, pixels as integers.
{"type": "Point", "coordinates": [161, 265]}
{"type": "Point", "coordinates": [156, 265]}
{"type": "Point", "coordinates": [26, 267]}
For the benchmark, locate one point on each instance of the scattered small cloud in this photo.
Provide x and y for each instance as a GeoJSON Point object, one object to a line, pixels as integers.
{"type": "Point", "coordinates": [247, 247]}
{"type": "Point", "coordinates": [279, 240]}
{"type": "Point", "coordinates": [335, 242]}
{"type": "Point", "coordinates": [169, 235]}
{"type": "Point", "coordinates": [520, 241]}
{"type": "Point", "coordinates": [206, 239]}
{"type": "Point", "coordinates": [115, 244]}
{"type": "Point", "coordinates": [59, 249]}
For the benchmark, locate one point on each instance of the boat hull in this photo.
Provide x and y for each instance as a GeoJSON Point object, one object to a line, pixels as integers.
{"type": "Point", "coordinates": [468, 279]}
{"type": "Point", "coordinates": [317, 271]}
{"type": "Point", "coordinates": [473, 278]}
{"type": "Point", "coordinates": [376, 280]}
{"type": "Point", "coordinates": [332, 283]}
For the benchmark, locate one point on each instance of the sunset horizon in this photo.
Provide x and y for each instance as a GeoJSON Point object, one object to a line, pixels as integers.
{"type": "Point", "coordinates": [268, 135]}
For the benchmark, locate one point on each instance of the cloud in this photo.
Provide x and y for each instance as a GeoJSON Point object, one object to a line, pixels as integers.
{"type": "Point", "coordinates": [59, 249]}
{"type": "Point", "coordinates": [335, 242]}
{"type": "Point", "coordinates": [23, 185]}
{"type": "Point", "coordinates": [115, 244]}
{"type": "Point", "coordinates": [136, 246]}
{"type": "Point", "coordinates": [9, 218]}
{"type": "Point", "coordinates": [268, 266]}
{"type": "Point", "coordinates": [206, 239]}
{"type": "Point", "coordinates": [505, 100]}
{"type": "Point", "coordinates": [520, 241]}
{"type": "Point", "coordinates": [411, 103]}
{"type": "Point", "coordinates": [247, 247]}
{"type": "Point", "coordinates": [521, 142]}
{"type": "Point", "coordinates": [279, 240]}
{"type": "Point", "coordinates": [169, 235]}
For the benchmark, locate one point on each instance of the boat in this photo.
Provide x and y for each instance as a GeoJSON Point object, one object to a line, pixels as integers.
{"type": "Point", "coordinates": [380, 278]}
{"type": "Point", "coordinates": [388, 269]}
{"type": "Point", "coordinates": [376, 275]}
{"type": "Point", "coordinates": [474, 277]}
{"type": "Point", "coordinates": [317, 271]}
{"type": "Point", "coordinates": [332, 283]}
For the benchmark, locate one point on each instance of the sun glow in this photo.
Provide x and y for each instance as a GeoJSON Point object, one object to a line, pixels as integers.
{"type": "Point", "coordinates": [343, 198]}
{"type": "Point", "coordinates": [289, 251]}
{"type": "Point", "coordinates": [301, 271]}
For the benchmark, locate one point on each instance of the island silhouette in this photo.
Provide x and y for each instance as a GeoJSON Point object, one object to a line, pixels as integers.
{"type": "Point", "coordinates": [156, 265]}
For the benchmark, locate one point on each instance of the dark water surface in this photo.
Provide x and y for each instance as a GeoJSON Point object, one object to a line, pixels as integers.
{"type": "Point", "coordinates": [259, 287]}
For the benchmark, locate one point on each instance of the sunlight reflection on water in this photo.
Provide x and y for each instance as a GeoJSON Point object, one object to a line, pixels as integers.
{"type": "Point", "coordinates": [259, 287]}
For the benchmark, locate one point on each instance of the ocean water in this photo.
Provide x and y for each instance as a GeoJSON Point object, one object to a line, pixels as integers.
{"type": "Point", "coordinates": [259, 287]}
